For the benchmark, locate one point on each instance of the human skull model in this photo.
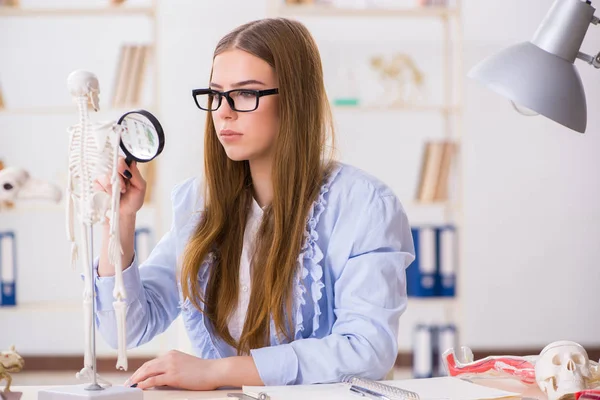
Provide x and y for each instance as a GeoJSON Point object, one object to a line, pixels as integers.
{"type": "Point", "coordinates": [562, 367]}
{"type": "Point", "coordinates": [84, 83]}
{"type": "Point", "coordinates": [16, 184]}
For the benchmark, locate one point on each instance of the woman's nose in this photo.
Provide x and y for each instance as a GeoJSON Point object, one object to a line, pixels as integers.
{"type": "Point", "coordinates": [225, 111]}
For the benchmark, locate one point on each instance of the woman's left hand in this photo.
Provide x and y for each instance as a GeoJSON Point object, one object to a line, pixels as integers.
{"type": "Point", "coordinates": [178, 370]}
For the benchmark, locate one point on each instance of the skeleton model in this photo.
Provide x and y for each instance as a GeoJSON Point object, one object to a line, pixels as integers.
{"type": "Point", "coordinates": [16, 184]}
{"type": "Point", "coordinates": [402, 79]}
{"type": "Point", "coordinates": [10, 362]}
{"type": "Point", "coordinates": [562, 368]}
{"type": "Point", "coordinates": [93, 152]}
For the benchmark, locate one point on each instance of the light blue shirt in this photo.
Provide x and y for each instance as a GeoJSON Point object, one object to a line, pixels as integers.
{"type": "Point", "coordinates": [349, 294]}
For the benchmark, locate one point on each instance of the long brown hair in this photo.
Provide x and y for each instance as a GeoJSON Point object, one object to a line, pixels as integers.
{"type": "Point", "coordinates": [300, 164]}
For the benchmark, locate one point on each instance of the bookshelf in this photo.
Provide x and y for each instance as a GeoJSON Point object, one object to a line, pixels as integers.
{"type": "Point", "coordinates": [295, 10]}
{"type": "Point", "coordinates": [14, 11]}
{"type": "Point", "coordinates": [437, 308]}
{"type": "Point", "coordinates": [40, 228]}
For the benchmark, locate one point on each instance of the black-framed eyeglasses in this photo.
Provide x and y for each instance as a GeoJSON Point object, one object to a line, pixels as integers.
{"type": "Point", "coordinates": [241, 100]}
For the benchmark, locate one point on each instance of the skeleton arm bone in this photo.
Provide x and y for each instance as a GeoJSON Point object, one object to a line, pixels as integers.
{"type": "Point", "coordinates": [70, 207]}
{"type": "Point", "coordinates": [115, 254]}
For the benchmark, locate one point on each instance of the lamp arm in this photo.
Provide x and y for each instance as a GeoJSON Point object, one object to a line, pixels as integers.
{"type": "Point", "coordinates": [592, 60]}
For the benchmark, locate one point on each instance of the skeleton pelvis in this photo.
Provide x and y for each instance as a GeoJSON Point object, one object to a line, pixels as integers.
{"type": "Point", "coordinates": [99, 205]}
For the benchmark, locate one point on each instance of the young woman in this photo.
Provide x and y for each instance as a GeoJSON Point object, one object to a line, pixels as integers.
{"type": "Point", "coordinates": [287, 267]}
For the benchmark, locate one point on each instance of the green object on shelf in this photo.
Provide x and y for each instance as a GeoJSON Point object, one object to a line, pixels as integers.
{"type": "Point", "coordinates": [345, 102]}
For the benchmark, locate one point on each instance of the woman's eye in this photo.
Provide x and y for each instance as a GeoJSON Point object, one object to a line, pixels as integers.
{"type": "Point", "coordinates": [247, 94]}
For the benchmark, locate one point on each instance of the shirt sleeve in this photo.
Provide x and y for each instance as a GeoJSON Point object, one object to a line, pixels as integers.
{"type": "Point", "coordinates": [152, 302]}
{"type": "Point", "coordinates": [370, 296]}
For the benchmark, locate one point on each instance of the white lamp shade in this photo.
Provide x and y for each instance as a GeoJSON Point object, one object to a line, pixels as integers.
{"type": "Point", "coordinates": [537, 80]}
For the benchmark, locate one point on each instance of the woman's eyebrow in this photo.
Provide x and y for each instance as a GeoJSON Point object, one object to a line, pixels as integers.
{"type": "Point", "coordinates": [239, 84]}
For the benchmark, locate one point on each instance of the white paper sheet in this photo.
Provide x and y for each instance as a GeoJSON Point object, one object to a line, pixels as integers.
{"type": "Point", "coordinates": [428, 389]}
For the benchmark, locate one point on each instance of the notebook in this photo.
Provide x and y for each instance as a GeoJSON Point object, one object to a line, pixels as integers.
{"type": "Point", "coordinates": [443, 388]}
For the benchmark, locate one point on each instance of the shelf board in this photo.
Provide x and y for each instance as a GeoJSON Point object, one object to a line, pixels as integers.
{"type": "Point", "coordinates": [64, 110]}
{"type": "Point", "coordinates": [407, 108]}
{"type": "Point", "coordinates": [8, 11]}
{"type": "Point", "coordinates": [435, 204]}
{"type": "Point", "coordinates": [43, 306]}
{"type": "Point", "coordinates": [38, 207]}
{"type": "Point", "coordinates": [330, 11]}
{"type": "Point", "coordinates": [434, 301]}
{"type": "Point", "coordinates": [60, 207]}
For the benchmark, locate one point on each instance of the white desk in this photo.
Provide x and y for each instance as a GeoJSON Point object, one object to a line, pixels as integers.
{"type": "Point", "coordinates": [529, 393]}
{"type": "Point", "coordinates": [31, 393]}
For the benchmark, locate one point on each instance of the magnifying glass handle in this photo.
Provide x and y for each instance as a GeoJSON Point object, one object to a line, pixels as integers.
{"type": "Point", "coordinates": [128, 161]}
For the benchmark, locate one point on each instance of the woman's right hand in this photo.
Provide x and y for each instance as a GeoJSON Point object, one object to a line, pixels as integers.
{"type": "Point", "coordinates": [133, 187]}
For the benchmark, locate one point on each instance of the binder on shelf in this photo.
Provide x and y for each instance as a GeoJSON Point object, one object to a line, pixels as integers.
{"type": "Point", "coordinates": [142, 244]}
{"type": "Point", "coordinates": [429, 344]}
{"type": "Point", "coordinates": [423, 356]}
{"type": "Point", "coordinates": [421, 274]}
{"type": "Point", "coordinates": [433, 273]}
{"type": "Point", "coordinates": [130, 74]}
{"type": "Point", "coordinates": [446, 339]}
{"type": "Point", "coordinates": [8, 269]}
{"type": "Point", "coordinates": [447, 259]}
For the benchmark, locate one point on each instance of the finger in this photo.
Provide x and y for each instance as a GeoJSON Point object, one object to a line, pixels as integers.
{"type": "Point", "coordinates": [123, 183]}
{"type": "Point", "coordinates": [148, 369]}
{"type": "Point", "coordinates": [131, 173]}
{"type": "Point", "coordinates": [98, 187]}
{"type": "Point", "coordinates": [154, 381]}
{"type": "Point", "coordinates": [104, 182]}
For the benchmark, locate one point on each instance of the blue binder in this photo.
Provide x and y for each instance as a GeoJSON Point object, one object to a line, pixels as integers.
{"type": "Point", "coordinates": [8, 269]}
{"type": "Point", "coordinates": [446, 253]}
{"type": "Point", "coordinates": [421, 275]}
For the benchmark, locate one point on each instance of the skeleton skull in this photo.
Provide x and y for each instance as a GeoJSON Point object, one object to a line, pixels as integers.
{"type": "Point", "coordinates": [563, 367]}
{"type": "Point", "coordinates": [83, 83]}
{"type": "Point", "coordinates": [16, 184]}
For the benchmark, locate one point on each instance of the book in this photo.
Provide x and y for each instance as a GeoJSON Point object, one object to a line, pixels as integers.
{"type": "Point", "coordinates": [131, 71]}
{"type": "Point", "coordinates": [120, 87]}
{"type": "Point", "coordinates": [435, 171]}
{"type": "Point", "coordinates": [442, 187]}
{"type": "Point", "coordinates": [449, 388]}
{"type": "Point", "coordinates": [430, 169]}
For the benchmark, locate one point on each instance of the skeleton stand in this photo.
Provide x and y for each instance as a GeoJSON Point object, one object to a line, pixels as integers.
{"type": "Point", "coordinates": [94, 385]}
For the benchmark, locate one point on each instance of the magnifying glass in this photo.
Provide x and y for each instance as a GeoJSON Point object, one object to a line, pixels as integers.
{"type": "Point", "coordinates": [142, 138]}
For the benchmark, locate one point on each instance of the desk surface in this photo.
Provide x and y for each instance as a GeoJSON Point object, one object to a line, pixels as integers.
{"type": "Point", "coordinates": [527, 392]}
{"type": "Point", "coordinates": [31, 393]}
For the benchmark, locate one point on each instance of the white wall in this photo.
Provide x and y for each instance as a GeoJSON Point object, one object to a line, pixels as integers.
{"type": "Point", "coordinates": [531, 206]}
{"type": "Point", "coordinates": [532, 202]}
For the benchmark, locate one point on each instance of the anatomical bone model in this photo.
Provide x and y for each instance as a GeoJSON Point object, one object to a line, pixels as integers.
{"type": "Point", "coordinates": [561, 368]}
{"type": "Point", "coordinates": [10, 362]}
{"type": "Point", "coordinates": [16, 185]}
{"type": "Point", "coordinates": [93, 152]}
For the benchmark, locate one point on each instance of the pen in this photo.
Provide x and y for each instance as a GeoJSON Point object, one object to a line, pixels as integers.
{"type": "Point", "coordinates": [367, 393]}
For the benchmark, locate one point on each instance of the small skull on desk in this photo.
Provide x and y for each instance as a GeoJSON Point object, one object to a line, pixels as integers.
{"type": "Point", "coordinates": [16, 184]}
{"type": "Point", "coordinates": [563, 367]}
